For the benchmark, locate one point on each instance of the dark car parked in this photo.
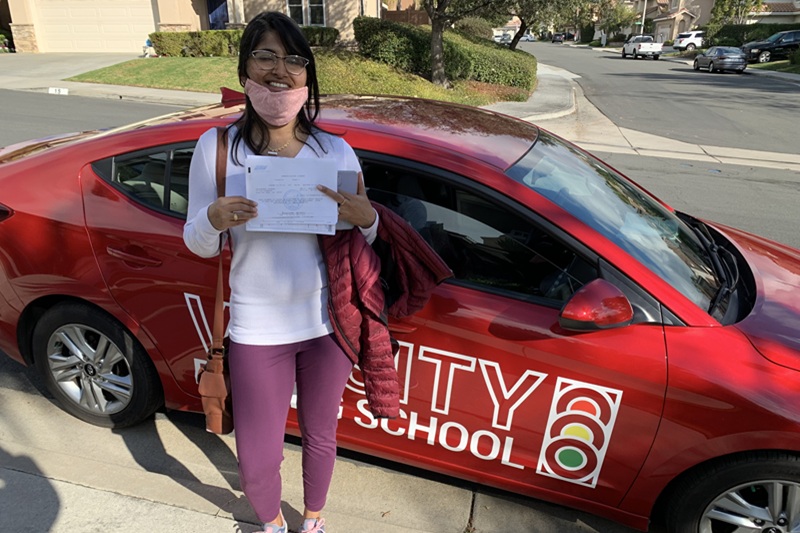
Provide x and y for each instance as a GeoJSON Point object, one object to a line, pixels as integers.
{"type": "Point", "coordinates": [557, 38]}
{"type": "Point", "coordinates": [778, 45]}
{"type": "Point", "coordinates": [721, 58]}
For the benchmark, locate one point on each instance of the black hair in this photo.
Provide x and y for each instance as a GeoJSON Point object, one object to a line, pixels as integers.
{"type": "Point", "coordinates": [295, 43]}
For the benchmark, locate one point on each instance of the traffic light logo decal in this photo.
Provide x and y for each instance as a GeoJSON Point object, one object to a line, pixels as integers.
{"type": "Point", "coordinates": [578, 431]}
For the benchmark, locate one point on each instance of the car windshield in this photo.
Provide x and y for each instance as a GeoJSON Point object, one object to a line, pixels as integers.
{"type": "Point", "coordinates": [620, 211]}
{"type": "Point", "coordinates": [731, 50]}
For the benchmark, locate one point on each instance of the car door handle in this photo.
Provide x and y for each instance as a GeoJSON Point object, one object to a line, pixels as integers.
{"type": "Point", "coordinates": [135, 258]}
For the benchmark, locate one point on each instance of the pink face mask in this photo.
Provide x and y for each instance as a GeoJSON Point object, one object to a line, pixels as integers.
{"type": "Point", "coordinates": [276, 108]}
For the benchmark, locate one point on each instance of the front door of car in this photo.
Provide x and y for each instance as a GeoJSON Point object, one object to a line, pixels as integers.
{"type": "Point", "coordinates": [492, 386]}
{"type": "Point", "coordinates": [135, 207]}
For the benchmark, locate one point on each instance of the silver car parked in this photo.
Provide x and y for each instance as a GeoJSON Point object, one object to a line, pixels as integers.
{"type": "Point", "coordinates": [721, 58]}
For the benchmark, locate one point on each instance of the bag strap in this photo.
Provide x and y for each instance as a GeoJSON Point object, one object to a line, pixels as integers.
{"type": "Point", "coordinates": [218, 331]}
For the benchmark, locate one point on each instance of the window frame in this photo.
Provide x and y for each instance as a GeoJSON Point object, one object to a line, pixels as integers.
{"type": "Point", "coordinates": [514, 208]}
{"type": "Point", "coordinates": [106, 169]}
{"type": "Point", "coordinates": [647, 310]}
{"type": "Point", "coordinates": [306, 7]}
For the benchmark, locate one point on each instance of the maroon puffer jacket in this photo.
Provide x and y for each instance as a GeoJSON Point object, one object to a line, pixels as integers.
{"type": "Point", "coordinates": [357, 302]}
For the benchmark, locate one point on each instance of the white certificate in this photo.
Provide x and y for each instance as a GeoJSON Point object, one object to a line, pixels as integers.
{"type": "Point", "coordinates": [286, 191]}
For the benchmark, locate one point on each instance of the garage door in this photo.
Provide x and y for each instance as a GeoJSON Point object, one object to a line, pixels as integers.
{"type": "Point", "coordinates": [93, 25]}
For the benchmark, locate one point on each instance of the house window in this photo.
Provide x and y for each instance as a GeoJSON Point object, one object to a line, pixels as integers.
{"type": "Point", "coordinates": [675, 4]}
{"type": "Point", "coordinates": [307, 12]}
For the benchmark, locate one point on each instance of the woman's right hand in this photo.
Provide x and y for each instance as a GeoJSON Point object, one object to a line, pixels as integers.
{"type": "Point", "coordinates": [229, 211]}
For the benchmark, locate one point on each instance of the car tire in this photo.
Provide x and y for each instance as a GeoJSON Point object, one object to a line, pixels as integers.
{"type": "Point", "coordinates": [764, 57]}
{"type": "Point", "coordinates": [635, 54]}
{"type": "Point", "coordinates": [690, 47]}
{"type": "Point", "coordinates": [741, 491]}
{"type": "Point", "coordinates": [655, 58]}
{"type": "Point", "coordinates": [96, 370]}
{"type": "Point", "coordinates": [624, 55]}
{"type": "Point", "coordinates": [711, 67]}
{"type": "Point", "coordinates": [696, 65]}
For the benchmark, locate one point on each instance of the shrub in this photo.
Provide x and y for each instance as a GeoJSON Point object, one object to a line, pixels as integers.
{"type": "Point", "coordinates": [407, 48]}
{"type": "Point", "coordinates": [474, 27]}
{"type": "Point", "coordinates": [224, 43]}
{"type": "Point", "coordinates": [794, 58]}
{"type": "Point", "coordinates": [321, 35]}
{"type": "Point", "coordinates": [490, 63]}
{"type": "Point", "coordinates": [595, 43]}
{"type": "Point", "coordinates": [587, 33]}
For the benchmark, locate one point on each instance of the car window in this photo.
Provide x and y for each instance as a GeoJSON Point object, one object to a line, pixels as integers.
{"type": "Point", "coordinates": [158, 178]}
{"type": "Point", "coordinates": [620, 211]}
{"type": "Point", "coordinates": [683, 35]}
{"type": "Point", "coordinates": [486, 246]}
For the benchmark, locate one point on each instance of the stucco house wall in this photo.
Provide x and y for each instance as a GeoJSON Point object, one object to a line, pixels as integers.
{"type": "Point", "coordinates": [123, 26]}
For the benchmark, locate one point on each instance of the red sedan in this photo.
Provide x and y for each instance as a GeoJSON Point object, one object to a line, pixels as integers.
{"type": "Point", "coordinates": [595, 348]}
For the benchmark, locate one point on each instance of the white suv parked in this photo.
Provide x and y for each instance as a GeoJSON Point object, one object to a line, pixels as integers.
{"type": "Point", "coordinates": [688, 40]}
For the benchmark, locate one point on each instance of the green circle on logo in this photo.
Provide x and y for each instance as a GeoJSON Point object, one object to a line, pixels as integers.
{"type": "Point", "coordinates": [571, 458]}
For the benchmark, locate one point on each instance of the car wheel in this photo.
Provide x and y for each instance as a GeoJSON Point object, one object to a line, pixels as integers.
{"type": "Point", "coordinates": [711, 67]}
{"type": "Point", "coordinates": [94, 367]}
{"type": "Point", "coordinates": [696, 65]}
{"type": "Point", "coordinates": [764, 57]}
{"type": "Point", "coordinates": [690, 47]}
{"type": "Point", "coordinates": [624, 55]}
{"type": "Point", "coordinates": [756, 492]}
{"type": "Point", "coordinates": [656, 58]}
{"type": "Point", "coordinates": [635, 54]}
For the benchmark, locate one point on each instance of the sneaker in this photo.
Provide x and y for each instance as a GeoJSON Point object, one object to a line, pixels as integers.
{"type": "Point", "coordinates": [274, 528]}
{"type": "Point", "coordinates": [313, 525]}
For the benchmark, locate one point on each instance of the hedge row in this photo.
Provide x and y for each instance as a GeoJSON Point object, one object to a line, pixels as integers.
{"type": "Point", "coordinates": [208, 43]}
{"type": "Point", "coordinates": [407, 47]}
{"type": "Point", "coordinates": [739, 34]}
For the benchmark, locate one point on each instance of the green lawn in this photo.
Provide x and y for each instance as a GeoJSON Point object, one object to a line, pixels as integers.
{"type": "Point", "coordinates": [338, 72]}
{"type": "Point", "coordinates": [778, 66]}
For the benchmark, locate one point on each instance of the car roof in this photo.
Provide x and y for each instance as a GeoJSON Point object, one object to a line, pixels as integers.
{"type": "Point", "coordinates": [374, 122]}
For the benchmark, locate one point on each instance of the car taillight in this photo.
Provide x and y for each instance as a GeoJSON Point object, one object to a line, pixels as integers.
{"type": "Point", "coordinates": [5, 212]}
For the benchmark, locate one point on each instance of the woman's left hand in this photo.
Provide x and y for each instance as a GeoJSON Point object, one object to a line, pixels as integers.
{"type": "Point", "coordinates": [353, 208]}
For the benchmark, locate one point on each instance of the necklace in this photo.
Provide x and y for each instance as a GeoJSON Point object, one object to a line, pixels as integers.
{"type": "Point", "coordinates": [275, 151]}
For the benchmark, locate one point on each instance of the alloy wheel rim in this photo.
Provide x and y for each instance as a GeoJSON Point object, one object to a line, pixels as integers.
{"type": "Point", "coordinates": [771, 506]}
{"type": "Point", "coordinates": [89, 369]}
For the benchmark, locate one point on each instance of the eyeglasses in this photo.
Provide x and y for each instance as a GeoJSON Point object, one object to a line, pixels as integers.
{"type": "Point", "coordinates": [266, 60]}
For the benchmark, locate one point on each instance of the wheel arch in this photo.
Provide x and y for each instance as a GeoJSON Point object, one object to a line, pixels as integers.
{"type": "Point", "coordinates": [34, 311]}
{"type": "Point", "coordinates": [659, 510]}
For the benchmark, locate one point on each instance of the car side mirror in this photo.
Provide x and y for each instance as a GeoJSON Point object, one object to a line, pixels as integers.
{"type": "Point", "coordinates": [595, 306]}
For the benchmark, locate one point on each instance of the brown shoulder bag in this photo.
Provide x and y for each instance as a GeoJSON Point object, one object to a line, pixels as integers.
{"type": "Point", "coordinates": [214, 382]}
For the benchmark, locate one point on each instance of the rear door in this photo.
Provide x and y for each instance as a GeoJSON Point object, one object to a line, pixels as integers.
{"type": "Point", "coordinates": [135, 210]}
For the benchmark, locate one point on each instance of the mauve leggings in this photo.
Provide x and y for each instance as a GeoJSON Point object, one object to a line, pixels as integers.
{"type": "Point", "coordinates": [262, 380]}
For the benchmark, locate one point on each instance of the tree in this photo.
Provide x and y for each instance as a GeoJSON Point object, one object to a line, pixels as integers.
{"type": "Point", "coordinates": [529, 13]}
{"type": "Point", "coordinates": [443, 13]}
{"type": "Point", "coordinates": [616, 16]}
{"type": "Point", "coordinates": [733, 11]}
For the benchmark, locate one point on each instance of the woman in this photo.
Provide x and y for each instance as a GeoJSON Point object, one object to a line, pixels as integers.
{"type": "Point", "coordinates": [296, 314]}
{"type": "Point", "coordinates": [280, 329]}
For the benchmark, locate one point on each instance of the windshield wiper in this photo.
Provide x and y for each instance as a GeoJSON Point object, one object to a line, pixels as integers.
{"type": "Point", "coordinates": [726, 271]}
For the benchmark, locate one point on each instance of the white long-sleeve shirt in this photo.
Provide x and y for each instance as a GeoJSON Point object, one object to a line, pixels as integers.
{"type": "Point", "coordinates": [278, 281]}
